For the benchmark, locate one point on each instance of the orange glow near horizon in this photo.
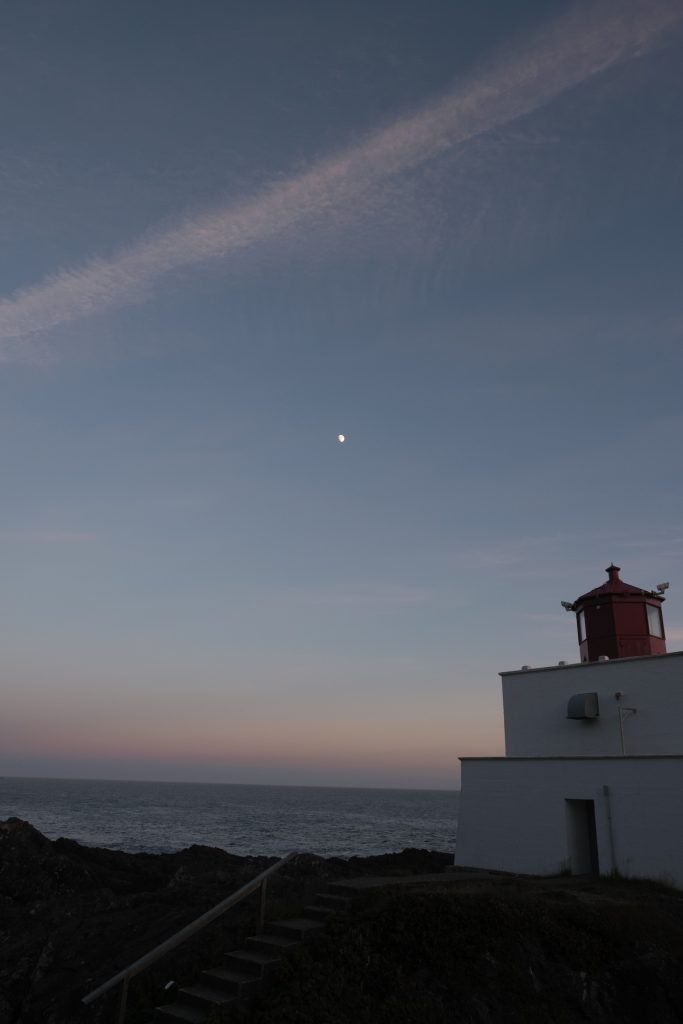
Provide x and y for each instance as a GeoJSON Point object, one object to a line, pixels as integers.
{"type": "Point", "coordinates": [257, 732]}
{"type": "Point", "coordinates": [331, 745]}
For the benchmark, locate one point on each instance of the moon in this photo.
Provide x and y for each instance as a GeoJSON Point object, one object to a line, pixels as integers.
{"type": "Point", "coordinates": [341, 438]}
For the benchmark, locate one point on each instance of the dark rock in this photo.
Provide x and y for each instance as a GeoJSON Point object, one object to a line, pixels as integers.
{"type": "Point", "coordinates": [72, 915]}
{"type": "Point", "coordinates": [492, 952]}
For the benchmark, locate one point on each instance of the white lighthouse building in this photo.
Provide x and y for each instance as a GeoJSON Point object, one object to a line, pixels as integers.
{"type": "Point", "coordinates": [592, 778]}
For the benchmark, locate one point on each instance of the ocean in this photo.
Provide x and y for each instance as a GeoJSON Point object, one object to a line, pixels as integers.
{"type": "Point", "coordinates": [161, 817]}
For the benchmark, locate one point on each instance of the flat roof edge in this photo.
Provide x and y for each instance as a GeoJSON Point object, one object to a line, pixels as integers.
{"type": "Point", "coordinates": [590, 664]}
{"type": "Point", "coordinates": [581, 757]}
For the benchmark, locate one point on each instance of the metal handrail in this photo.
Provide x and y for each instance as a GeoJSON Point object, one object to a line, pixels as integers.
{"type": "Point", "coordinates": [124, 976]}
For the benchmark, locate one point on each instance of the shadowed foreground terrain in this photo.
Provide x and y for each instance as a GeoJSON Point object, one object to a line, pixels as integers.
{"type": "Point", "coordinates": [71, 916]}
{"type": "Point", "coordinates": [485, 950]}
{"type": "Point", "coordinates": [503, 951]}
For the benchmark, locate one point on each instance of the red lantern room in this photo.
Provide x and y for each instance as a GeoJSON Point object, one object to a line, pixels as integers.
{"type": "Point", "coordinates": [618, 620]}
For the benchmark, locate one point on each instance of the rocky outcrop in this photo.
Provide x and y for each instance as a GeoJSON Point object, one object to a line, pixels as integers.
{"type": "Point", "coordinates": [71, 916]}
{"type": "Point", "coordinates": [501, 950]}
{"type": "Point", "coordinates": [485, 950]}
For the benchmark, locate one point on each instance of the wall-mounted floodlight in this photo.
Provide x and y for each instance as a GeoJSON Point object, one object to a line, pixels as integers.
{"type": "Point", "coordinates": [567, 605]}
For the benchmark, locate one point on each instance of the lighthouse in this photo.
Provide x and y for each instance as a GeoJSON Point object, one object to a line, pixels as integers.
{"type": "Point", "coordinates": [592, 776]}
{"type": "Point", "coordinates": [618, 620]}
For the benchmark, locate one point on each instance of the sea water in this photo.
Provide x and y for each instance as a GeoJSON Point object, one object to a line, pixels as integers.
{"type": "Point", "coordinates": [161, 817]}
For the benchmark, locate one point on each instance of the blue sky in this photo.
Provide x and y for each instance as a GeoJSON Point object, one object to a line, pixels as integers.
{"type": "Point", "coordinates": [449, 230]}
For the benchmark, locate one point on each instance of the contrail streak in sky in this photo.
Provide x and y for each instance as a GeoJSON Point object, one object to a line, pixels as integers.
{"type": "Point", "coordinates": [581, 44]}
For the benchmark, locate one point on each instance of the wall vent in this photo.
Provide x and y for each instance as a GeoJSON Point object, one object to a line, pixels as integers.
{"type": "Point", "coordinates": [583, 705]}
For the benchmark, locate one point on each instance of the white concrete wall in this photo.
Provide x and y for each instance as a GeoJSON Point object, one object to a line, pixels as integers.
{"type": "Point", "coordinates": [513, 815]}
{"type": "Point", "coordinates": [535, 708]}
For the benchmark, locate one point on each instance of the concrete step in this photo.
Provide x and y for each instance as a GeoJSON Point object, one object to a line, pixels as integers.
{"type": "Point", "coordinates": [253, 961]}
{"type": "Point", "coordinates": [358, 887]}
{"type": "Point", "coordinates": [178, 1012]}
{"type": "Point", "coordinates": [319, 913]}
{"type": "Point", "coordinates": [240, 983]}
{"type": "Point", "coordinates": [246, 969]}
{"type": "Point", "coordinates": [335, 900]}
{"type": "Point", "coordinates": [206, 997]}
{"type": "Point", "coordinates": [277, 944]}
{"type": "Point", "coordinates": [301, 928]}
{"type": "Point", "coordinates": [347, 890]}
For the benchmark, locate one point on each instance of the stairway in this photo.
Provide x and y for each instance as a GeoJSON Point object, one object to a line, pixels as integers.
{"type": "Point", "coordinates": [247, 971]}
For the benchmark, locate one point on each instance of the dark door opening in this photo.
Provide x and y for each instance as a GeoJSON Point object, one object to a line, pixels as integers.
{"type": "Point", "coordinates": [582, 837]}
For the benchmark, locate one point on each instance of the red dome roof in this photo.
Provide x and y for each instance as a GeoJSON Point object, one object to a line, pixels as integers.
{"type": "Point", "coordinates": [615, 585]}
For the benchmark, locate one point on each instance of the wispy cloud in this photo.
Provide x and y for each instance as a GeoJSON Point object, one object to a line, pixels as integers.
{"type": "Point", "coordinates": [48, 536]}
{"type": "Point", "coordinates": [508, 554]}
{"type": "Point", "coordinates": [372, 596]}
{"type": "Point", "coordinates": [377, 595]}
{"type": "Point", "coordinates": [581, 44]}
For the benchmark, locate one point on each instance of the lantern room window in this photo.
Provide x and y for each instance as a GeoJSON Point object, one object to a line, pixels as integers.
{"type": "Point", "coordinates": [654, 620]}
{"type": "Point", "coordinates": [581, 620]}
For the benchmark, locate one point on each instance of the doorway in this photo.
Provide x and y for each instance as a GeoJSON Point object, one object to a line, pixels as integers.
{"type": "Point", "coordinates": [582, 837]}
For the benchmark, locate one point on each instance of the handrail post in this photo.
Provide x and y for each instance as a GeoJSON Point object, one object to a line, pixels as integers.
{"type": "Point", "coordinates": [123, 1001]}
{"type": "Point", "coordinates": [262, 905]}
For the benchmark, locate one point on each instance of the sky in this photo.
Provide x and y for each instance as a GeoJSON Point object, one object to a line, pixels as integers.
{"type": "Point", "coordinates": [450, 230]}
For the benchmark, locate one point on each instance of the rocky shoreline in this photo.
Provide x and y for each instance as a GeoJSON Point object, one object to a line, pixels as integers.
{"type": "Point", "coordinates": [479, 949]}
{"type": "Point", "coordinates": [71, 916]}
